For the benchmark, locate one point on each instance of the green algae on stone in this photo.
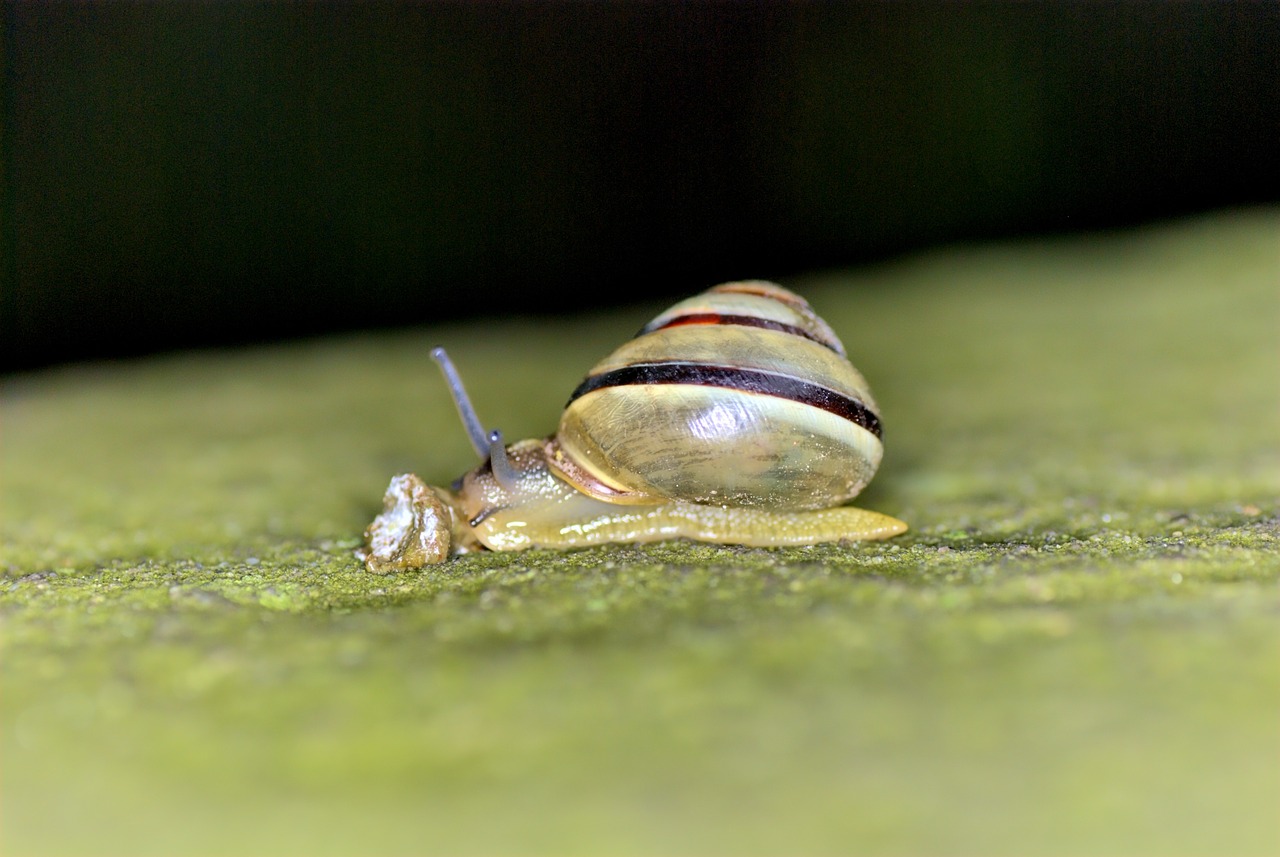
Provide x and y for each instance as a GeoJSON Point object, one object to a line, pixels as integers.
{"type": "Point", "coordinates": [1073, 650]}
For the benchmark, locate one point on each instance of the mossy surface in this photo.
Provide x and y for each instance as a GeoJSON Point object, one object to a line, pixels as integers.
{"type": "Point", "coordinates": [1074, 650]}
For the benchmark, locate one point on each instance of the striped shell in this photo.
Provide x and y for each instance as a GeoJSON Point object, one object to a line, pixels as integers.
{"type": "Point", "coordinates": [740, 396]}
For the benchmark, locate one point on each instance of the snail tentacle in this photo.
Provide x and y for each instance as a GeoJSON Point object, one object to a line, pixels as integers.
{"type": "Point", "coordinates": [500, 464]}
{"type": "Point", "coordinates": [470, 419]}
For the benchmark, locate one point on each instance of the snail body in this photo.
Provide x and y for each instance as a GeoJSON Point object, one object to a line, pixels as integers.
{"type": "Point", "coordinates": [733, 417]}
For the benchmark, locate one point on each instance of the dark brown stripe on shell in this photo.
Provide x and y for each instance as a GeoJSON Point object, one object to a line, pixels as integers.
{"type": "Point", "coordinates": [733, 378]}
{"type": "Point", "coordinates": [740, 320]}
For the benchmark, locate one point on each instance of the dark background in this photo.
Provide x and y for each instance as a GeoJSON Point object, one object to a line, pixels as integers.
{"type": "Point", "coordinates": [181, 175]}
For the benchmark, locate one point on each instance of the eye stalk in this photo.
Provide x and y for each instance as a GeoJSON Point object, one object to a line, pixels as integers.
{"type": "Point", "coordinates": [481, 440]}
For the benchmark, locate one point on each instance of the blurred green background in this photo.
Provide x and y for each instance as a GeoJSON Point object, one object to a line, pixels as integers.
{"type": "Point", "coordinates": [185, 174]}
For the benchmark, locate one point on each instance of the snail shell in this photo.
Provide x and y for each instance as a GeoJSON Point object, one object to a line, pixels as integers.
{"type": "Point", "coordinates": [740, 396]}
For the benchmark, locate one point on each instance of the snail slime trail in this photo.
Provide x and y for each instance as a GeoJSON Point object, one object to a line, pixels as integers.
{"type": "Point", "coordinates": [745, 424]}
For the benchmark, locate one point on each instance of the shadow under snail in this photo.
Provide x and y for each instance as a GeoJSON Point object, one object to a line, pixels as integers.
{"type": "Point", "coordinates": [734, 418]}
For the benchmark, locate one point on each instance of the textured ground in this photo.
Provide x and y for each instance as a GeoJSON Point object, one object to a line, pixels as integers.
{"type": "Point", "coordinates": [1075, 649]}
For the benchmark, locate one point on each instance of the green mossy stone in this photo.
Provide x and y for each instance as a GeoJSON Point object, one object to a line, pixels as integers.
{"type": "Point", "coordinates": [1074, 650]}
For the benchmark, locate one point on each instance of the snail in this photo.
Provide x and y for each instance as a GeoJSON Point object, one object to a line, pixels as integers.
{"type": "Point", "coordinates": [733, 417]}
